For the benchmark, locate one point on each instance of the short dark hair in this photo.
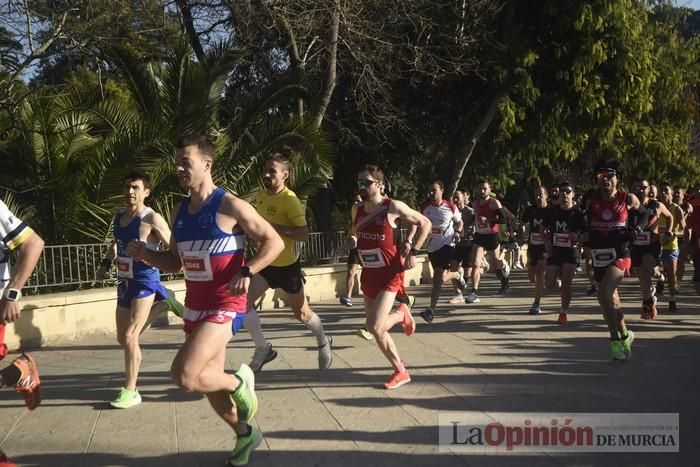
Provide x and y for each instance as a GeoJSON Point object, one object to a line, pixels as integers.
{"type": "Point", "coordinates": [666, 184]}
{"type": "Point", "coordinates": [202, 142]}
{"type": "Point", "coordinates": [567, 183]}
{"type": "Point", "coordinates": [284, 157]}
{"type": "Point", "coordinates": [481, 181]}
{"type": "Point", "coordinates": [138, 174]}
{"type": "Point", "coordinates": [608, 165]}
{"type": "Point", "coordinates": [374, 171]}
{"type": "Point", "coordinates": [438, 182]}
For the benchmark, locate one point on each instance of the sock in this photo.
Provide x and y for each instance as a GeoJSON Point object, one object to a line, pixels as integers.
{"type": "Point", "coordinates": [536, 302]}
{"type": "Point", "coordinates": [254, 327]}
{"type": "Point", "coordinates": [316, 327]}
{"type": "Point", "coordinates": [400, 368]}
{"type": "Point", "coordinates": [474, 291]}
{"type": "Point", "coordinates": [9, 376]}
{"type": "Point", "coordinates": [249, 431]}
{"type": "Point", "coordinates": [564, 310]}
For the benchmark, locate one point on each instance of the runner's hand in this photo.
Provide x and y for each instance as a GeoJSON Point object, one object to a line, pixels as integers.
{"type": "Point", "coordinates": [136, 249]}
{"type": "Point", "coordinates": [239, 285]}
{"type": "Point", "coordinates": [9, 311]}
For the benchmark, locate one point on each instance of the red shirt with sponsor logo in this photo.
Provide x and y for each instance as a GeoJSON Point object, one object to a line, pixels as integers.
{"type": "Point", "coordinates": [607, 223]}
{"type": "Point", "coordinates": [482, 208]}
{"type": "Point", "coordinates": [376, 247]}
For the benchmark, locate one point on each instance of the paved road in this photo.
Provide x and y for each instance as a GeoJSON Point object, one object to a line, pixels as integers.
{"type": "Point", "coordinates": [488, 357]}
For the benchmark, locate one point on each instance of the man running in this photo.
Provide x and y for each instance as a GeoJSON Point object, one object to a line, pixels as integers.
{"type": "Point", "coordinates": [208, 242]}
{"type": "Point", "coordinates": [383, 264]}
{"type": "Point", "coordinates": [681, 198]}
{"type": "Point", "coordinates": [141, 297]}
{"type": "Point", "coordinates": [280, 207]}
{"type": "Point", "coordinates": [446, 220]}
{"type": "Point", "coordinates": [463, 247]}
{"type": "Point", "coordinates": [609, 234]}
{"type": "Point", "coordinates": [646, 249]}
{"type": "Point", "coordinates": [692, 235]}
{"type": "Point", "coordinates": [670, 231]}
{"type": "Point", "coordinates": [488, 213]}
{"type": "Point", "coordinates": [564, 226]}
{"type": "Point", "coordinates": [353, 265]}
{"type": "Point", "coordinates": [22, 373]}
{"type": "Point", "coordinates": [536, 217]}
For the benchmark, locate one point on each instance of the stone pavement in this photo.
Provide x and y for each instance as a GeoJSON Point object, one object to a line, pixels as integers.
{"type": "Point", "coordinates": [488, 357]}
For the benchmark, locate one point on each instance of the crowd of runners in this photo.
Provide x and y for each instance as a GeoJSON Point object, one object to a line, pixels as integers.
{"type": "Point", "coordinates": [607, 233]}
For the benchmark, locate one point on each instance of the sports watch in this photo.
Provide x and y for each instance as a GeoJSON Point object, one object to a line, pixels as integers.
{"type": "Point", "coordinates": [245, 272]}
{"type": "Point", "coordinates": [12, 295]}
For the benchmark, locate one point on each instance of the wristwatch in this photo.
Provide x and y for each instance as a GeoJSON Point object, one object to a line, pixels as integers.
{"type": "Point", "coordinates": [245, 272]}
{"type": "Point", "coordinates": [12, 295]}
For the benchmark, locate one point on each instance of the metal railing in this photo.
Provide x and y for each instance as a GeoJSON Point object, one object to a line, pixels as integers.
{"type": "Point", "coordinates": [71, 267]}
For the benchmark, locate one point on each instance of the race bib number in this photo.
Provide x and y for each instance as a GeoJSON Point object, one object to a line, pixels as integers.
{"type": "Point", "coordinates": [642, 238]}
{"type": "Point", "coordinates": [483, 227]}
{"type": "Point", "coordinates": [562, 240]}
{"type": "Point", "coordinates": [603, 257]}
{"type": "Point", "coordinates": [436, 232]}
{"type": "Point", "coordinates": [125, 267]}
{"type": "Point", "coordinates": [372, 258]}
{"type": "Point", "coordinates": [536, 238]}
{"type": "Point", "coordinates": [197, 266]}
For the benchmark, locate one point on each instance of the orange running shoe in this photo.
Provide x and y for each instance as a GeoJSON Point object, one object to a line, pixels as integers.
{"type": "Point", "coordinates": [29, 384]}
{"type": "Point", "coordinates": [398, 379]}
{"type": "Point", "coordinates": [562, 318]}
{"type": "Point", "coordinates": [408, 324]}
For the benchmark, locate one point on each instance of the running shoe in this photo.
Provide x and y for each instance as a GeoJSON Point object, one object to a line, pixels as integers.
{"type": "Point", "coordinates": [261, 357]}
{"type": "Point", "coordinates": [243, 397]}
{"type": "Point", "coordinates": [617, 351]}
{"type": "Point", "coordinates": [461, 283]}
{"type": "Point", "coordinates": [398, 379]}
{"type": "Point", "coordinates": [410, 301]}
{"type": "Point", "coordinates": [364, 333]}
{"type": "Point", "coordinates": [176, 307]}
{"type": "Point", "coordinates": [427, 315]}
{"type": "Point", "coordinates": [505, 286]}
{"type": "Point", "coordinates": [346, 301]}
{"type": "Point", "coordinates": [473, 298]}
{"type": "Point", "coordinates": [562, 318]}
{"type": "Point", "coordinates": [29, 383]}
{"type": "Point", "coordinates": [627, 344]}
{"type": "Point", "coordinates": [408, 324]}
{"type": "Point", "coordinates": [672, 307]}
{"type": "Point", "coordinates": [592, 291]}
{"type": "Point", "coordinates": [535, 309]}
{"type": "Point", "coordinates": [457, 299]}
{"type": "Point", "coordinates": [5, 462]}
{"type": "Point", "coordinates": [325, 354]}
{"type": "Point", "coordinates": [240, 455]}
{"type": "Point", "coordinates": [126, 399]}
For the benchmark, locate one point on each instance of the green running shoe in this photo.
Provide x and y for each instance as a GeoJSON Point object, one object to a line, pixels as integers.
{"type": "Point", "coordinates": [627, 344]}
{"type": "Point", "coordinates": [244, 446]}
{"type": "Point", "coordinates": [617, 351]}
{"type": "Point", "coordinates": [173, 305]}
{"type": "Point", "coordinates": [411, 302]}
{"type": "Point", "coordinates": [126, 399]}
{"type": "Point", "coordinates": [244, 396]}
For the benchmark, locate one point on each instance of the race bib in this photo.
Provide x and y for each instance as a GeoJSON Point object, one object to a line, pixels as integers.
{"type": "Point", "coordinates": [536, 238]}
{"type": "Point", "coordinates": [197, 266]}
{"type": "Point", "coordinates": [372, 258]}
{"type": "Point", "coordinates": [436, 232]}
{"type": "Point", "coordinates": [483, 227]}
{"type": "Point", "coordinates": [603, 257]}
{"type": "Point", "coordinates": [642, 238]}
{"type": "Point", "coordinates": [125, 267]}
{"type": "Point", "coordinates": [562, 240]}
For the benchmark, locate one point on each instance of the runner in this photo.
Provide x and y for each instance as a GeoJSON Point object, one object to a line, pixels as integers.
{"type": "Point", "coordinates": [446, 221]}
{"type": "Point", "coordinates": [280, 207]}
{"type": "Point", "coordinates": [564, 226]}
{"type": "Point", "coordinates": [353, 265]}
{"type": "Point", "coordinates": [383, 264]}
{"type": "Point", "coordinates": [22, 373]}
{"type": "Point", "coordinates": [463, 248]}
{"type": "Point", "coordinates": [669, 228]}
{"type": "Point", "coordinates": [488, 213]}
{"type": "Point", "coordinates": [646, 249]}
{"type": "Point", "coordinates": [553, 196]}
{"type": "Point", "coordinates": [208, 242]}
{"type": "Point", "coordinates": [608, 230]}
{"type": "Point", "coordinates": [692, 234]}
{"type": "Point", "coordinates": [536, 217]}
{"type": "Point", "coordinates": [681, 198]}
{"type": "Point", "coordinates": [141, 297]}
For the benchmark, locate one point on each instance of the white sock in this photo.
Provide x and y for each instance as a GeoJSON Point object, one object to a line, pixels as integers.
{"type": "Point", "coordinates": [316, 327]}
{"type": "Point", "coordinates": [254, 327]}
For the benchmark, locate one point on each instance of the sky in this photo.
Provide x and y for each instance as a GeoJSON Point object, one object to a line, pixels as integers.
{"type": "Point", "coordinates": [694, 4]}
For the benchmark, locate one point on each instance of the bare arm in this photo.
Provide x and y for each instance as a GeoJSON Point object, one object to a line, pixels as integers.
{"type": "Point", "coordinates": [167, 261]}
{"type": "Point", "coordinates": [295, 233]}
{"type": "Point", "coordinates": [415, 219]}
{"type": "Point", "coordinates": [161, 229]}
{"type": "Point", "coordinates": [29, 253]}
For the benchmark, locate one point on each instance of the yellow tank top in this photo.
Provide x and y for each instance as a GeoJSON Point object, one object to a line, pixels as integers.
{"type": "Point", "coordinates": [677, 213]}
{"type": "Point", "coordinates": [283, 208]}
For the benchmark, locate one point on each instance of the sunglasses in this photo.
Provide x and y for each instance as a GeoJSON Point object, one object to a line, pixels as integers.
{"type": "Point", "coordinates": [364, 182]}
{"type": "Point", "coordinates": [567, 191]}
{"type": "Point", "coordinates": [605, 175]}
{"type": "Point", "coordinates": [641, 187]}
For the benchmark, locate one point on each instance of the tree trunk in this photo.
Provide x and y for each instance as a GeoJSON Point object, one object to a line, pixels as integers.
{"type": "Point", "coordinates": [188, 22]}
{"type": "Point", "coordinates": [461, 153]}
